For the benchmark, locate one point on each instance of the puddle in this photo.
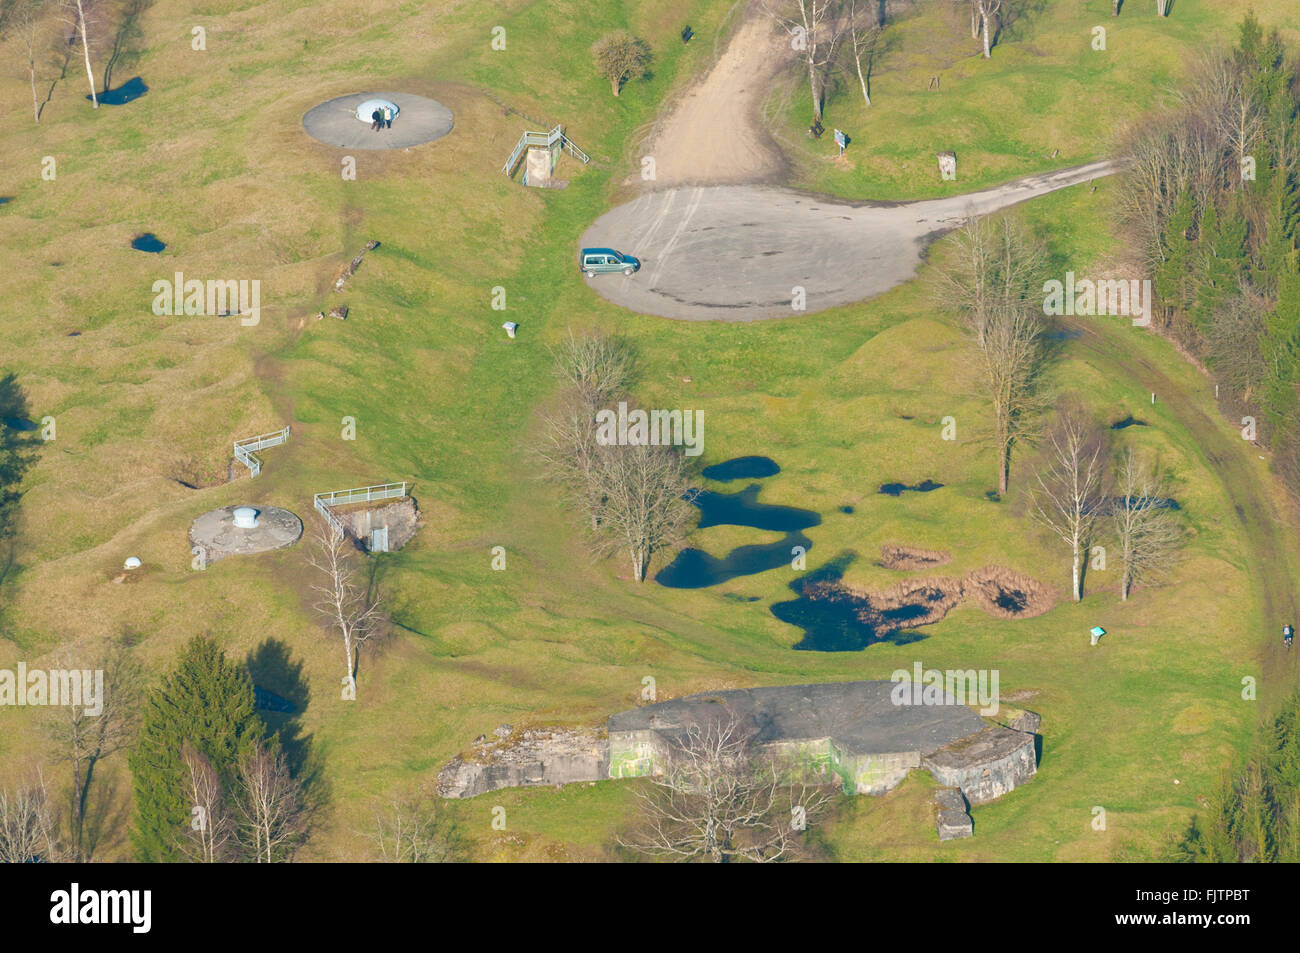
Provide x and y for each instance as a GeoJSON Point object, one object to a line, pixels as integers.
{"type": "Point", "coordinates": [834, 620]}
{"type": "Point", "coordinates": [742, 468]}
{"type": "Point", "coordinates": [19, 423]}
{"type": "Point", "coordinates": [270, 701]}
{"type": "Point", "coordinates": [846, 509]}
{"type": "Point", "coordinates": [6, 199]}
{"type": "Point", "coordinates": [896, 489]}
{"type": "Point", "coordinates": [1128, 421]}
{"type": "Point", "coordinates": [147, 242]}
{"type": "Point", "coordinates": [1070, 334]}
{"type": "Point", "coordinates": [131, 90]}
{"type": "Point", "coordinates": [696, 569]}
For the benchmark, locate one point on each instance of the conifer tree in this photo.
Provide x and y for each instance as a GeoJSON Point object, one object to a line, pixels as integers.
{"type": "Point", "coordinates": [206, 702]}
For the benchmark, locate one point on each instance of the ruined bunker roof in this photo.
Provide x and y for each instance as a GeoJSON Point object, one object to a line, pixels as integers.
{"type": "Point", "coordinates": [859, 717]}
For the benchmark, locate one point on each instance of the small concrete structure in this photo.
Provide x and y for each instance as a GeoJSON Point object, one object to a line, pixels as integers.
{"type": "Point", "coordinates": [419, 120]}
{"type": "Point", "coordinates": [951, 818]}
{"type": "Point", "coordinates": [224, 532]}
{"type": "Point", "coordinates": [947, 165]}
{"type": "Point", "coordinates": [132, 562]}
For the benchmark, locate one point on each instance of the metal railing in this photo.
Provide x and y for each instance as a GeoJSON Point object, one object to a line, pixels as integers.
{"type": "Point", "coordinates": [547, 139]}
{"type": "Point", "coordinates": [361, 494]}
{"type": "Point", "coordinates": [244, 448]}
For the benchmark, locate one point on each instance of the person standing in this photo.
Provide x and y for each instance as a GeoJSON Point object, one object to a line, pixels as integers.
{"type": "Point", "coordinates": [388, 117]}
{"type": "Point", "coordinates": [376, 120]}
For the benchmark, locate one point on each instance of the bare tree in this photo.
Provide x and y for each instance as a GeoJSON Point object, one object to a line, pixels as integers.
{"type": "Point", "coordinates": [27, 824]}
{"type": "Point", "coordinates": [1149, 535]}
{"type": "Point", "coordinates": [271, 814]}
{"type": "Point", "coordinates": [644, 509]}
{"type": "Point", "coordinates": [84, 739]}
{"type": "Point", "coordinates": [211, 825]}
{"type": "Point", "coordinates": [569, 454]}
{"type": "Point", "coordinates": [80, 17]}
{"type": "Point", "coordinates": [412, 831]}
{"type": "Point", "coordinates": [26, 19]}
{"type": "Point", "coordinates": [346, 607]}
{"type": "Point", "coordinates": [864, 40]}
{"type": "Point", "coordinates": [599, 366]}
{"type": "Point", "coordinates": [991, 282]}
{"type": "Point", "coordinates": [815, 30]}
{"type": "Point", "coordinates": [982, 16]}
{"type": "Point", "coordinates": [720, 799]}
{"type": "Point", "coordinates": [621, 57]}
{"type": "Point", "coordinates": [1069, 497]}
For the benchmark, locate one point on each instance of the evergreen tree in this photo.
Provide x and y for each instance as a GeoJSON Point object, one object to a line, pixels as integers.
{"type": "Point", "coordinates": [1172, 282]}
{"type": "Point", "coordinates": [208, 702]}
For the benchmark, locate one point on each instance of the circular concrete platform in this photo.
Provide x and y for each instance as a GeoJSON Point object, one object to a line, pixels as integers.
{"type": "Point", "coordinates": [217, 535]}
{"type": "Point", "coordinates": [419, 120]}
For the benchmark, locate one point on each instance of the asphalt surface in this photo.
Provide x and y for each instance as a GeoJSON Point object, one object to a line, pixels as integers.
{"type": "Point", "coordinates": [419, 120]}
{"type": "Point", "coordinates": [738, 252]}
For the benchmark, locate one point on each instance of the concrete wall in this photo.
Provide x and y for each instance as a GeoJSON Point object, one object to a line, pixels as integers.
{"type": "Point", "coordinates": [986, 767]}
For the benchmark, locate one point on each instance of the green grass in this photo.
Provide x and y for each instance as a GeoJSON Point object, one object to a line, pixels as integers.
{"type": "Point", "coordinates": [443, 399]}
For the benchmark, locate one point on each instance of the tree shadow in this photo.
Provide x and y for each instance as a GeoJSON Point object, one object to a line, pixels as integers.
{"type": "Point", "coordinates": [19, 448]}
{"type": "Point", "coordinates": [108, 815]}
{"type": "Point", "coordinates": [125, 39]}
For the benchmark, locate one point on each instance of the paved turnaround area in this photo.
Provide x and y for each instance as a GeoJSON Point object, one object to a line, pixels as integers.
{"type": "Point", "coordinates": [419, 120]}
{"type": "Point", "coordinates": [738, 252]}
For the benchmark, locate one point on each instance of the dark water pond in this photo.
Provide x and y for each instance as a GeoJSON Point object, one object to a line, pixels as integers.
{"type": "Point", "coordinates": [832, 623]}
{"type": "Point", "coordinates": [269, 701]}
{"type": "Point", "coordinates": [696, 569]}
{"type": "Point", "coordinates": [147, 242]}
{"type": "Point", "coordinates": [129, 91]}
{"type": "Point", "coordinates": [6, 199]}
{"type": "Point", "coordinates": [896, 489]}
{"type": "Point", "coordinates": [1127, 422]}
{"type": "Point", "coordinates": [19, 423]}
{"type": "Point", "coordinates": [742, 468]}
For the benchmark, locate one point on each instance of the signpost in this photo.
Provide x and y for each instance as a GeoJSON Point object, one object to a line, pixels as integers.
{"type": "Point", "coordinates": [841, 140]}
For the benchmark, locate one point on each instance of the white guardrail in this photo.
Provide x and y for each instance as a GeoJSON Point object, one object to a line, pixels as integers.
{"type": "Point", "coordinates": [244, 448]}
{"type": "Point", "coordinates": [547, 139]}
{"type": "Point", "coordinates": [361, 494]}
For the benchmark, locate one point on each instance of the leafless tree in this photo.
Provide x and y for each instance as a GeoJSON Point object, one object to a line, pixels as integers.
{"type": "Point", "coordinates": [815, 28]}
{"type": "Point", "coordinates": [1148, 532]}
{"type": "Point", "coordinates": [864, 41]}
{"type": "Point", "coordinates": [412, 831]}
{"type": "Point", "coordinates": [270, 811]}
{"type": "Point", "coordinates": [644, 509]}
{"type": "Point", "coordinates": [718, 798]}
{"type": "Point", "coordinates": [1069, 497]}
{"type": "Point", "coordinates": [569, 454]}
{"type": "Point", "coordinates": [599, 366]}
{"type": "Point", "coordinates": [84, 740]}
{"type": "Point", "coordinates": [80, 17]}
{"type": "Point", "coordinates": [620, 57]}
{"type": "Point", "coordinates": [991, 282]}
{"type": "Point", "coordinates": [28, 22]}
{"type": "Point", "coordinates": [27, 824]}
{"type": "Point", "coordinates": [347, 607]}
{"type": "Point", "coordinates": [1233, 344]}
{"type": "Point", "coordinates": [983, 15]}
{"type": "Point", "coordinates": [211, 825]}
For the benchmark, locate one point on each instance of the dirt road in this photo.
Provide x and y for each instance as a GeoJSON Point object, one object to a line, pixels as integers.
{"type": "Point", "coordinates": [712, 135]}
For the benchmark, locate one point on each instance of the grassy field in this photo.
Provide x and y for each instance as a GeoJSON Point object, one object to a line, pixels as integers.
{"type": "Point", "coordinates": [214, 161]}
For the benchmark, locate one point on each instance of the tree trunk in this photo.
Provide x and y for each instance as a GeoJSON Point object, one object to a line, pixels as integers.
{"type": "Point", "coordinates": [36, 106]}
{"type": "Point", "coordinates": [861, 79]}
{"type": "Point", "coordinates": [85, 50]}
{"type": "Point", "coordinates": [347, 651]}
{"type": "Point", "coordinates": [613, 86]}
{"type": "Point", "coordinates": [1076, 588]}
{"type": "Point", "coordinates": [812, 86]}
{"type": "Point", "coordinates": [974, 23]}
{"type": "Point", "coordinates": [1114, 8]}
{"type": "Point", "coordinates": [1004, 465]}
{"type": "Point", "coordinates": [984, 16]}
